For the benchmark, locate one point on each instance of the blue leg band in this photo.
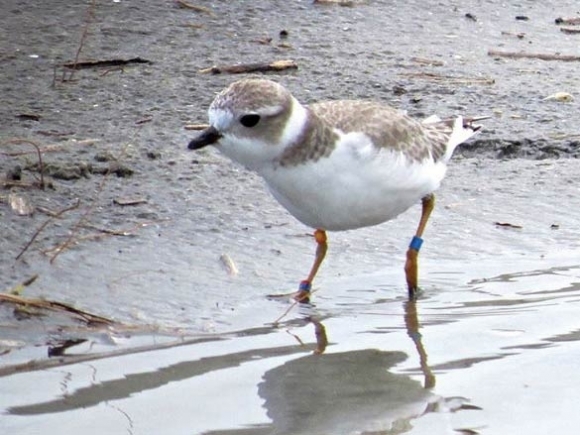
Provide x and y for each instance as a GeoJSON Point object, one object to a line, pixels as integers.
{"type": "Point", "coordinates": [305, 286]}
{"type": "Point", "coordinates": [416, 243]}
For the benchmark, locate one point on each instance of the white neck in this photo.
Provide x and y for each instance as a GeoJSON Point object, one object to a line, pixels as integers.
{"type": "Point", "coordinates": [295, 125]}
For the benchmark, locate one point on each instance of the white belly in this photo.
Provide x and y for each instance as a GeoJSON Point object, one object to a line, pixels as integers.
{"type": "Point", "coordinates": [336, 194]}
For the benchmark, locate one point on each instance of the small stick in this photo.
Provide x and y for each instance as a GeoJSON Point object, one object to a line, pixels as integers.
{"type": "Point", "coordinates": [186, 5]}
{"type": "Point", "coordinates": [541, 56]}
{"type": "Point", "coordinates": [88, 22]}
{"type": "Point", "coordinates": [43, 226]}
{"type": "Point", "coordinates": [569, 31]}
{"type": "Point", "coordinates": [277, 65]}
{"type": "Point", "coordinates": [127, 232]}
{"type": "Point", "coordinates": [450, 79]}
{"type": "Point", "coordinates": [570, 21]}
{"type": "Point", "coordinates": [38, 152]}
{"type": "Point", "coordinates": [347, 3]}
{"type": "Point", "coordinates": [104, 63]}
{"type": "Point", "coordinates": [87, 317]}
{"type": "Point", "coordinates": [196, 126]}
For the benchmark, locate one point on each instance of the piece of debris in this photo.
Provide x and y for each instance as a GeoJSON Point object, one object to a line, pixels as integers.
{"type": "Point", "coordinates": [517, 35]}
{"type": "Point", "coordinates": [555, 226]}
{"type": "Point", "coordinates": [277, 65]}
{"type": "Point", "coordinates": [562, 97]}
{"type": "Point", "coordinates": [507, 225]}
{"type": "Point", "coordinates": [42, 304]}
{"type": "Point", "coordinates": [522, 18]}
{"type": "Point", "coordinates": [266, 40]}
{"type": "Point", "coordinates": [130, 201]}
{"type": "Point", "coordinates": [229, 264]}
{"type": "Point", "coordinates": [104, 156]}
{"type": "Point", "coordinates": [144, 120]}
{"type": "Point", "coordinates": [450, 79]}
{"type": "Point", "coordinates": [104, 63]}
{"type": "Point", "coordinates": [347, 3]}
{"type": "Point", "coordinates": [569, 31]}
{"type": "Point", "coordinates": [19, 288]}
{"type": "Point", "coordinates": [424, 61]}
{"type": "Point", "coordinates": [470, 16]}
{"type": "Point", "coordinates": [196, 126]}
{"type": "Point", "coordinates": [283, 34]}
{"type": "Point", "coordinates": [540, 56]}
{"type": "Point", "coordinates": [20, 204]}
{"type": "Point", "coordinates": [399, 90]}
{"type": "Point", "coordinates": [29, 116]}
{"type": "Point", "coordinates": [153, 155]}
{"type": "Point", "coordinates": [194, 25]}
{"type": "Point", "coordinates": [60, 348]}
{"type": "Point", "coordinates": [41, 228]}
{"type": "Point", "coordinates": [575, 21]}
{"type": "Point", "coordinates": [467, 431]}
{"type": "Point", "coordinates": [185, 5]}
{"type": "Point", "coordinates": [54, 133]}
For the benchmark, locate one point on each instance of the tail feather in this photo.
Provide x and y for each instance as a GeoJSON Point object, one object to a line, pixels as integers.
{"type": "Point", "coordinates": [460, 130]}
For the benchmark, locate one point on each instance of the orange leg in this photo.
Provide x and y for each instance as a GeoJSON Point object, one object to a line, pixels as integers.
{"type": "Point", "coordinates": [303, 294]}
{"type": "Point", "coordinates": [411, 267]}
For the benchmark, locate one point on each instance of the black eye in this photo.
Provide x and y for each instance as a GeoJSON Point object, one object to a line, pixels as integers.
{"type": "Point", "coordinates": [250, 120]}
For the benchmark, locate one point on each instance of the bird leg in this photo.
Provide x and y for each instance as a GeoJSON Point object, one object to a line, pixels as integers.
{"type": "Point", "coordinates": [428, 203]}
{"type": "Point", "coordinates": [303, 294]}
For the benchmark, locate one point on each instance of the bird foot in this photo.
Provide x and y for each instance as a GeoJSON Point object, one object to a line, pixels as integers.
{"type": "Point", "coordinates": [414, 293]}
{"type": "Point", "coordinates": [302, 295]}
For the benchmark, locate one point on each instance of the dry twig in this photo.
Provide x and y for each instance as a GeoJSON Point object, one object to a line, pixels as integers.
{"type": "Point", "coordinates": [103, 63]}
{"type": "Point", "coordinates": [85, 316]}
{"type": "Point", "coordinates": [574, 21]}
{"type": "Point", "coordinates": [569, 31]}
{"type": "Point", "coordinates": [277, 65]}
{"type": "Point", "coordinates": [38, 153]}
{"type": "Point", "coordinates": [88, 21]}
{"type": "Point", "coordinates": [43, 226]}
{"type": "Point", "coordinates": [540, 56]}
{"type": "Point", "coordinates": [196, 126]}
{"type": "Point", "coordinates": [450, 79]}
{"type": "Point", "coordinates": [347, 3]}
{"type": "Point", "coordinates": [185, 5]}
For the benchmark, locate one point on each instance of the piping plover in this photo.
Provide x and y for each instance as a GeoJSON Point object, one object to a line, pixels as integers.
{"type": "Point", "coordinates": [335, 165]}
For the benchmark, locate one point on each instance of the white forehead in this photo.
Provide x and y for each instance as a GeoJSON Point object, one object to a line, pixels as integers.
{"type": "Point", "coordinates": [221, 119]}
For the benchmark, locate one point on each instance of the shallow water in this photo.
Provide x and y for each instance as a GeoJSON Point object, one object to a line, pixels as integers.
{"type": "Point", "coordinates": [491, 349]}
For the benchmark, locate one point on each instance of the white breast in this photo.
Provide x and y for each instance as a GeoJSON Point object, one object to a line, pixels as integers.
{"type": "Point", "coordinates": [356, 186]}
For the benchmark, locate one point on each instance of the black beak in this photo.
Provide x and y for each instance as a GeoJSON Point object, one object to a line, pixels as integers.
{"type": "Point", "coordinates": [207, 137]}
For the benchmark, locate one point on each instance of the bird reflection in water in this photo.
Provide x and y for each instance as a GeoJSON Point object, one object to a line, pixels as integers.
{"type": "Point", "coordinates": [413, 326]}
{"type": "Point", "coordinates": [347, 392]}
{"type": "Point", "coordinates": [319, 334]}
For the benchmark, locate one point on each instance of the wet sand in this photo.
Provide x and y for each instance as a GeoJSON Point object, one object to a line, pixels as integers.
{"type": "Point", "coordinates": [490, 346]}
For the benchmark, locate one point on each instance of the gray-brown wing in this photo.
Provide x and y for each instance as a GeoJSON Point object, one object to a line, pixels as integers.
{"type": "Point", "coordinates": [386, 126]}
